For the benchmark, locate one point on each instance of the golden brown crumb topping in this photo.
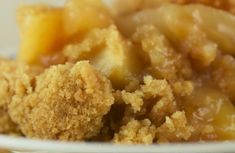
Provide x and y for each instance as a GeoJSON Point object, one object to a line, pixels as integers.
{"type": "Point", "coordinates": [136, 132]}
{"type": "Point", "coordinates": [68, 103]}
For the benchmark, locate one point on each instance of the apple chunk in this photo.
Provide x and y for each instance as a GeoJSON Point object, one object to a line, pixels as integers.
{"type": "Point", "coordinates": [208, 107]}
{"type": "Point", "coordinates": [80, 16]}
{"type": "Point", "coordinates": [41, 31]}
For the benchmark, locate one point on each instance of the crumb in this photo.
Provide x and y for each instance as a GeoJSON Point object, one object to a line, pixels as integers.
{"type": "Point", "coordinates": [134, 99]}
{"type": "Point", "coordinates": [136, 132]}
{"type": "Point", "coordinates": [166, 105]}
{"type": "Point", "coordinates": [7, 125]}
{"type": "Point", "coordinates": [68, 103]}
{"type": "Point", "coordinates": [15, 78]}
{"type": "Point", "coordinates": [155, 99]}
{"type": "Point", "coordinates": [175, 129]}
{"type": "Point", "coordinates": [109, 52]}
{"type": "Point", "coordinates": [166, 62]}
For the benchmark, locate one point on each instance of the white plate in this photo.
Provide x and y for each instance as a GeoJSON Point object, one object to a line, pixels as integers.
{"type": "Point", "coordinates": [27, 145]}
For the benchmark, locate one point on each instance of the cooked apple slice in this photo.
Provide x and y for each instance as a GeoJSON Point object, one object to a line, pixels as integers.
{"type": "Point", "coordinates": [41, 31]}
{"type": "Point", "coordinates": [224, 75]}
{"type": "Point", "coordinates": [181, 22]}
{"type": "Point", "coordinates": [218, 25]}
{"type": "Point", "coordinates": [212, 113]}
{"type": "Point", "coordinates": [80, 16]}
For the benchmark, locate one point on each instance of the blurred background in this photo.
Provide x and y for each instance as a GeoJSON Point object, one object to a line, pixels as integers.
{"type": "Point", "coordinates": [9, 36]}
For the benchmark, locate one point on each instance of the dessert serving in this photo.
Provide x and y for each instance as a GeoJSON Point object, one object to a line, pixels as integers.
{"type": "Point", "coordinates": [122, 71]}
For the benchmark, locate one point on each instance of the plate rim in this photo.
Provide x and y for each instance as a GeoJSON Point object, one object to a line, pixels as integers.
{"type": "Point", "coordinates": [25, 144]}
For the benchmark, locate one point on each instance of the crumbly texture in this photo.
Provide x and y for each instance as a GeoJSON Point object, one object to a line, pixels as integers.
{"type": "Point", "coordinates": [15, 78]}
{"type": "Point", "coordinates": [154, 100]}
{"type": "Point", "coordinates": [136, 132]}
{"type": "Point", "coordinates": [175, 129]}
{"type": "Point", "coordinates": [107, 45]}
{"type": "Point", "coordinates": [7, 125]}
{"type": "Point", "coordinates": [67, 103]}
{"type": "Point", "coordinates": [165, 62]}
